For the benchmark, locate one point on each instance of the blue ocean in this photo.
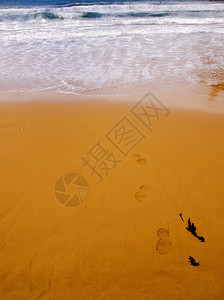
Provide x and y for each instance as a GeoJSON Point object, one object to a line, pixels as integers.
{"type": "Point", "coordinates": [109, 47]}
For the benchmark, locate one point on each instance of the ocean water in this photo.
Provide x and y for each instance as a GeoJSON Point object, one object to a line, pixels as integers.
{"type": "Point", "coordinates": [109, 47]}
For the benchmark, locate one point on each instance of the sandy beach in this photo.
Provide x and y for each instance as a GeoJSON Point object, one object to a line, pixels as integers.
{"type": "Point", "coordinates": [127, 236]}
{"type": "Point", "coordinates": [111, 150]}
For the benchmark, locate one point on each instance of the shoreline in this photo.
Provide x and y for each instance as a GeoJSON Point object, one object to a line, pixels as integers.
{"type": "Point", "coordinates": [187, 98]}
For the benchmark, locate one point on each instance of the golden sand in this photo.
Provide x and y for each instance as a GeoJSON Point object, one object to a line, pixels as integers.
{"type": "Point", "coordinates": [127, 239]}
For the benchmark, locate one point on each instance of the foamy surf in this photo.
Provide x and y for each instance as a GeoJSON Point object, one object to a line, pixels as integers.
{"type": "Point", "coordinates": [105, 48]}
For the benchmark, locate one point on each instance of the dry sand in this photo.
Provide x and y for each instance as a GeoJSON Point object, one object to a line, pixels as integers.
{"type": "Point", "coordinates": [127, 239]}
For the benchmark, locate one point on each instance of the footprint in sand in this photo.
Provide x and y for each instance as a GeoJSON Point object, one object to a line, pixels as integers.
{"type": "Point", "coordinates": [140, 160]}
{"type": "Point", "coordinates": [141, 194]}
{"type": "Point", "coordinates": [164, 244]}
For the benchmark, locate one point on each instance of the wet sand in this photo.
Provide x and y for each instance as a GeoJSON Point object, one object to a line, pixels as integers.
{"type": "Point", "coordinates": [122, 236]}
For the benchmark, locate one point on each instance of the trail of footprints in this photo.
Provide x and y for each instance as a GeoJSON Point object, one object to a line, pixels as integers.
{"type": "Point", "coordinates": [164, 245]}
{"type": "Point", "coordinates": [141, 194]}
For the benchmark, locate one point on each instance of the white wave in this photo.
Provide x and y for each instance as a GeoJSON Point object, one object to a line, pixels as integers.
{"type": "Point", "coordinates": [71, 12]}
{"type": "Point", "coordinates": [94, 56]}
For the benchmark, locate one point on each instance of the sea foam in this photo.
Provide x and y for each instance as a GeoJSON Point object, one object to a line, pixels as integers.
{"type": "Point", "coordinates": [110, 48]}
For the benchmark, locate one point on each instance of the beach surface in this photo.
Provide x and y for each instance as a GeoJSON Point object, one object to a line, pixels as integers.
{"type": "Point", "coordinates": [124, 233]}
